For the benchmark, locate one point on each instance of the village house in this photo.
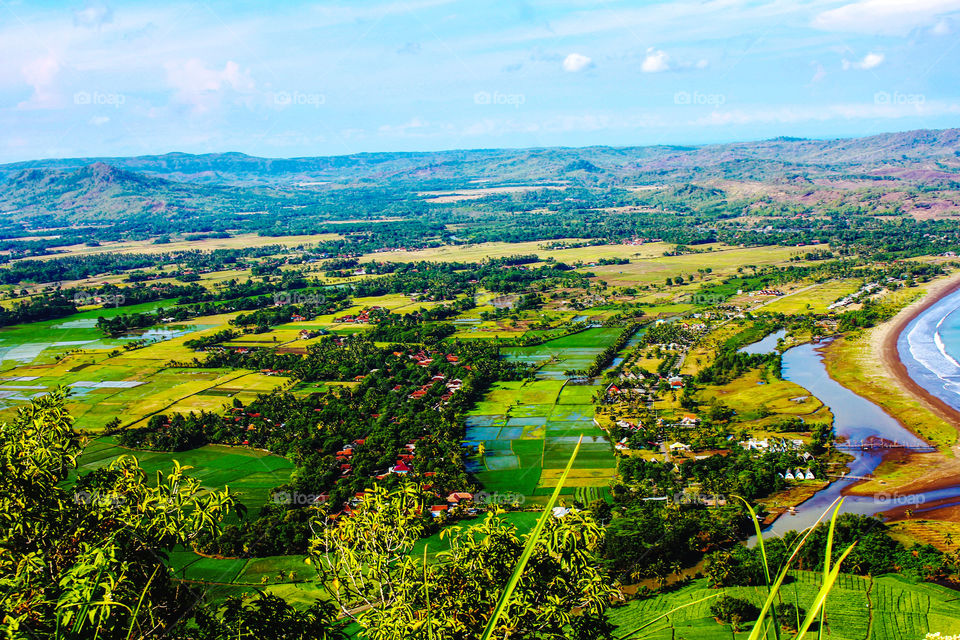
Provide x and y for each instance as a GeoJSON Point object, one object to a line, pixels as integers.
{"type": "Point", "coordinates": [689, 420]}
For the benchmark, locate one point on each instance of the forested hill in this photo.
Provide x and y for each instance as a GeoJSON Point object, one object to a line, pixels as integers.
{"type": "Point", "coordinates": [916, 156]}
{"type": "Point", "coordinates": [104, 193]}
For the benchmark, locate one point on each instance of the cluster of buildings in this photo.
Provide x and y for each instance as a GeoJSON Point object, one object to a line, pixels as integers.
{"type": "Point", "coordinates": [363, 317]}
{"type": "Point", "coordinates": [402, 466]}
{"type": "Point", "coordinates": [799, 474]}
{"type": "Point", "coordinates": [866, 289]}
{"type": "Point", "coordinates": [452, 387]}
{"type": "Point", "coordinates": [772, 444]}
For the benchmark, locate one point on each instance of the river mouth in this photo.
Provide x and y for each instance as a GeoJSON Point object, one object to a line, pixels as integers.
{"type": "Point", "coordinates": [856, 420]}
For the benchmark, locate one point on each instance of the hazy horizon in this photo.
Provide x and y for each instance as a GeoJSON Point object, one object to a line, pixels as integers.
{"type": "Point", "coordinates": [100, 79]}
{"type": "Point", "coordinates": [475, 149]}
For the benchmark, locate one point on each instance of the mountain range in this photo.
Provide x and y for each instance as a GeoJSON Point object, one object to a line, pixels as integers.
{"type": "Point", "coordinates": [914, 155]}
{"type": "Point", "coordinates": [76, 190]}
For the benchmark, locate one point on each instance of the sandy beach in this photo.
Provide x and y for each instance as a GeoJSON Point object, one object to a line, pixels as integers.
{"type": "Point", "coordinates": [886, 337]}
{"type": "Point", "coordinates": [939, 470]}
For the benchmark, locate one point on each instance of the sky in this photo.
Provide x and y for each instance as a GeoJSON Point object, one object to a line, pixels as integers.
{"type": "Point", "coordinates": [288, 79]}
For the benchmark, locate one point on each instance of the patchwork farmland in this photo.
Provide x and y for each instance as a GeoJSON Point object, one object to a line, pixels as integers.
{"type": "Point", "coordinates": [528, 429]}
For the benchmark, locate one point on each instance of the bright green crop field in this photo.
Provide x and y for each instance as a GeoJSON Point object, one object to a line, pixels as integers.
{"type": "Point", "coordinates": [887, 607]}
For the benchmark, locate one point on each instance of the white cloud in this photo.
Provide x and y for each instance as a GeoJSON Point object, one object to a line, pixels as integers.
{"type": "Point", "coordinates": [576, 62]}
{"type": "Point", "coordinates": [201, 87]}
{"type": "Point", "coordinates": [92, 15]}
{"type": "Point", "coordinates": [655, 61]}
{"type": "Point", "coordinates": [41, 74]}
{"type": "Point", "coordinates": [99, 121]}
{"type": "Point", "coordinates": [896, 17]}
{"type": "Point", "coordinates": [819, 74]}
{"type": "Point", "coordinates": [942, 28]}
{"type": "Point", "coordinates": [869, 61]}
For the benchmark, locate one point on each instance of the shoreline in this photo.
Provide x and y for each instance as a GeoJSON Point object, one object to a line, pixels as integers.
{"type": "Point", "coordinates": [941, 469]}
{"type": "Point", "coordinates": [889, 335]}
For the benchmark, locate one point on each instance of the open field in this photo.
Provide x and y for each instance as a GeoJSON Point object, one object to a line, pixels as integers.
{"type": "Point", "coordinates": [529, 429]}
{"type": "Point", "coordinates": [248, 472]}
{"type": "Point", "coordinates": [723, 261]}
{"type": "Point", "coordinates": [943, 535]}
{"type": "Point", "coordinates": [815, 300]}
{"type": "Point", "coordinates": [750, 397]}
{"type": "Point", "coordinates": [131, 385]}
{"type": "Point", "coordinates": [208, 244]}
{"type": "Point", "coordinates": [702, 353]}
{"type": "Point", "coordinates": [477, 252]}
{"type": "Point", "coordinates": [41, 342]}
{"type": "Point", "coordinates": [886, 607]}
{"type": "Point", "coordinates": [576, 351]}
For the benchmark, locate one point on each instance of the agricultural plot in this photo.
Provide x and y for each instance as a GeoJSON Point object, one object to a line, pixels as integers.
{"type": "Point", "coordinates": [102, 388]}
{"type": "Point", "coordinates": [105, 381]}
{"type": "Point", "coordinates": [586, 495]}
{"type": "Point", "coordinates": [290, 576]}
{"type": "Point", "coordinates": [42, 342]}
{"type": "Point", "coordinates": [760, 402]}
{"type": "Point", "coordinates": [815, 300]}
{"type": "Point", "coordinates": [524, 521]}
{"type": "Point", "coordinates": [478, 252]}
{"type": "Point", "coordinates": [529, 429]}
{"type": "Point", "coordinates": [887, 607]}
{"type": "Point", "coordinates": [573, 352]}
{"type": "Point", "coordinates": [724, 261]}
{"type": "Point", "coordinates": [239, 240]}
{"type": "Point", "coordinates": [250, 473]}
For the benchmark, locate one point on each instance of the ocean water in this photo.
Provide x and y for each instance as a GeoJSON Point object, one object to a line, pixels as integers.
{"type": "Point", "coordinates": [930, 349]}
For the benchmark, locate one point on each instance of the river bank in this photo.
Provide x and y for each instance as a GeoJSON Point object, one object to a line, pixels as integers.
{"type": "Point", "coordinates": [888, 338]}
{"type": "Point", "coordinates": [870, 365]}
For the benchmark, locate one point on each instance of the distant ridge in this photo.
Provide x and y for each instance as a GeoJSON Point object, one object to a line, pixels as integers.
{"type": "Point", "coordinates": [903, 155]}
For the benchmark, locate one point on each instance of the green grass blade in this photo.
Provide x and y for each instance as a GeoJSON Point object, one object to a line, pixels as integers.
{"type": "Point", "coordinates": [822, 595]}
{"type": "Point", "coordinates": [766, 565]}
{"type": "Point", "coordinates": [828, 553]}
{"type": "Point", "coordinates": [143, 594]}
{"type": "Point", "coordinates": [775, 589]}
{"type": "Point", "coordinates": [426, 592]}
{"type": "Point", "coordinates": [528, 549]}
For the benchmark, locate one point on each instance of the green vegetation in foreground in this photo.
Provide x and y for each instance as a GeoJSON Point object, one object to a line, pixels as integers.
{"type": "Point", "coordinates": [886, 607]}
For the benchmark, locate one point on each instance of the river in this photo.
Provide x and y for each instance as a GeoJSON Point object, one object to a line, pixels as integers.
{"type": "Point", "coordinates": [855, 418]}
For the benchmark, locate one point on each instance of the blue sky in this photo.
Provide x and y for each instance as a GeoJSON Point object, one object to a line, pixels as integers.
{"type": "Point", "coordinates": [329, 78]}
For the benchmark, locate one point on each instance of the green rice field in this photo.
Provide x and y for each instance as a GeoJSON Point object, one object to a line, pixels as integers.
{"type": "Point", "coordinates": [529, 429]}
{"type": "Point", "coordinates": [886, 607]}
{"type": "Point", "coordinates": [248, 472]}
